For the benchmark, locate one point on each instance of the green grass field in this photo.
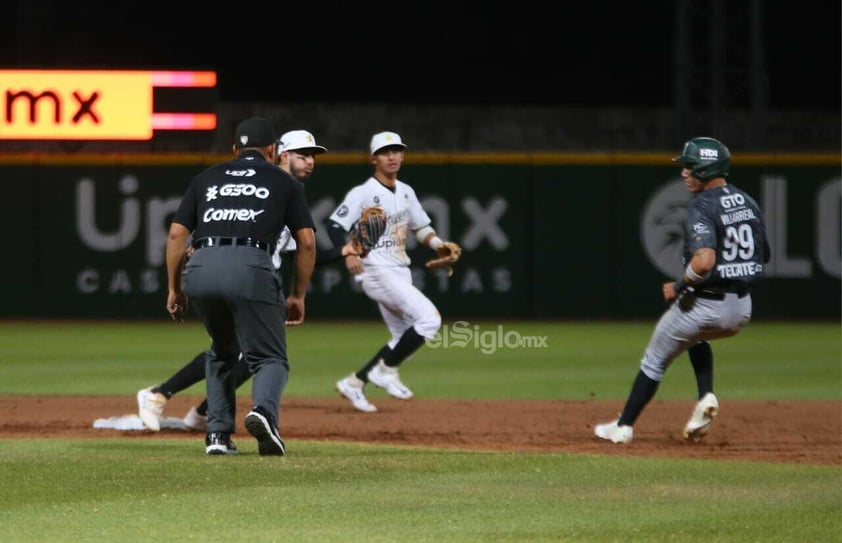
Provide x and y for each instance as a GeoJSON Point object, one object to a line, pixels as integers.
{"type": "Point", "coordinates": [162, 490]}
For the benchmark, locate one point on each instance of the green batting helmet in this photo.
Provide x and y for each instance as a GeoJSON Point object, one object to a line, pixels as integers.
{"type": "Point", "coordinates": [707, 158]}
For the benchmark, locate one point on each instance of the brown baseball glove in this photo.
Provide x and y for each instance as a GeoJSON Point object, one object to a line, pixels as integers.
{"type": "Point", "coordinates": [448, 254]}
{"type": "Point", "coordinates": [368, 230]}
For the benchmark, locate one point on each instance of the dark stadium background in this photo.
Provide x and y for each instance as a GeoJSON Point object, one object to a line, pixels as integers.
{"type": "Point", "coordinates": [457, 52]}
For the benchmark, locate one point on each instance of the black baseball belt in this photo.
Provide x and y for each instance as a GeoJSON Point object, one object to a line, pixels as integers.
{"type": "Point", "coordinates": [718, 293]}
{"type": "Point", "coordinates": [220, 241]}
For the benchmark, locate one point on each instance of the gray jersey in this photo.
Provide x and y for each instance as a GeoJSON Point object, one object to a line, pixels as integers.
{"type": "Point", "coordinates": [728, 221]}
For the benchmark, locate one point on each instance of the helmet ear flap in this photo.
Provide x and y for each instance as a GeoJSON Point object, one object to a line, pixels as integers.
{"type": "Point", "coordinates": [711, 170]}
{"type": "Point", "coordinates": [703, 172]}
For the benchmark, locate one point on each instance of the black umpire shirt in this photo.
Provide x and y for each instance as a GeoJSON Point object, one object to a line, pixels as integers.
{"type": "Point", "coordinates": [247, 197]}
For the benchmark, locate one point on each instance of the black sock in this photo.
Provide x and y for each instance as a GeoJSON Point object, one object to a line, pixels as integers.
{"type": "Point", "coordinates": [193, 372]}
{"type": "Point", "coordinates": [160, 390]}
{"type": "Point", "coordinates": [362, 374]}
{"type": "Point", "coordinates": [701, 356]}
{"type": "Point", "coordinates": [642, 391]}
{"type": "Point", "coordinates": [409, 342]}
{"type": "Point", "coordinates": [202, 409]}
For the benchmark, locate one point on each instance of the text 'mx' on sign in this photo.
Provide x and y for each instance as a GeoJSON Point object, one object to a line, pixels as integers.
{"type": "Point", "coordinates": [94, 104]}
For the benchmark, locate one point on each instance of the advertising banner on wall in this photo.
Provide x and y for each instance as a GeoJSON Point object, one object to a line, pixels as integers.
{"type": "Point", "coordinates": [576, 241]}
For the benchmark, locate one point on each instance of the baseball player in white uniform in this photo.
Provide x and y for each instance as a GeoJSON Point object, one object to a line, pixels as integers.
{"type": "Point", "coordinates": [297, 150]}
{"type": "Point", "coordinates": [384, 272]}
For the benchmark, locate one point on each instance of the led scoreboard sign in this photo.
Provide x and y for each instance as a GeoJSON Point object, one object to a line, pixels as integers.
{"type": "Point", "coordinates": [95, 104]}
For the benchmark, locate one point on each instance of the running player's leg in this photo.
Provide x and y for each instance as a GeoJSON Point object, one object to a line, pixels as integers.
{"type": "Point", "coordinates": [151, 401]}
{"type": "Point", "coordinates": [411, 317]}
{"type": "Point", "coordinates": [701, 358]}
{"type": "Point", "coordinates": [191, 373]}
{"type": "Point", "coordinates": [676, 330]}
{"type": "Point", "coordinates": [425, 323]}
{"type": "Point", "coordinates": [731, 316]}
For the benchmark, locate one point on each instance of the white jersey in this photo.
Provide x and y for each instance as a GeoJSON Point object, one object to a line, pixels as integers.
{"type": "Point", "coordinates": [403, 212]}
{"type": "Point", "coordinates": [286, 244]}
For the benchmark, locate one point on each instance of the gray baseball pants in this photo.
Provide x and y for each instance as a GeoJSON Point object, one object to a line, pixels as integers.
{"type": "Point", "coordinates": [238, 295]}
{"type": "Point", "coordinates": [688, 321]}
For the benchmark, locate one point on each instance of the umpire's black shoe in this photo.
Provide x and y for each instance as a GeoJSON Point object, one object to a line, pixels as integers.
{"type": "Point", "coordinates": [262, 426]}
{"type": "Point", "coordinates": [219, 443]}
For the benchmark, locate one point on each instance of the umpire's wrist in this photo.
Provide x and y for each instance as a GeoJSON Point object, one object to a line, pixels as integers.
{"type": "Point", "coordinates": [680, 286]}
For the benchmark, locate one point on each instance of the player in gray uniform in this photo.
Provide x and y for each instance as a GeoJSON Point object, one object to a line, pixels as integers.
{"type": "Point", "coordinates": [725, 250]}
{"type": "Point", "coordinates": [235, 212]}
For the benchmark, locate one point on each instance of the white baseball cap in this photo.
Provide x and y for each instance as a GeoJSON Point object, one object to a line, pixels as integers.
{"type": "Point", "coordinates": [385, 139]}
{"type": "Point", "coordinates": [299, 140]}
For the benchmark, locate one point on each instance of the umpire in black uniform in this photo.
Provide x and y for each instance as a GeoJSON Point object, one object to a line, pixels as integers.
{"type": "Point", "coordinates": [235, 212]}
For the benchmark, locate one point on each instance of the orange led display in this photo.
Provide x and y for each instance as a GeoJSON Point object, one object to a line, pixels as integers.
{"type": "Point", "coordinates": [93, 105]}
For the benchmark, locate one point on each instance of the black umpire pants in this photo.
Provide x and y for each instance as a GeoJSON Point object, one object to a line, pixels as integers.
{"type": "Point", "coordinates": [238, 295]}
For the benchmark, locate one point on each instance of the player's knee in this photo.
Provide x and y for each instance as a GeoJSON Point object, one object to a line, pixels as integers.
{"type": "Point", "coordinates": [428, 325]}
{"type": "Point", "coordinates": [652, 370]}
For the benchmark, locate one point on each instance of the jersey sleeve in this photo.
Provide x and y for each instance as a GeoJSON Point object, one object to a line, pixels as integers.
{"type": "Point", "coordinates": [348, 212]}
{"type": "Point", "coordinates": [699, 228]}
{"type": "Point", "coordinates": [298, 213]}
{"type": "Point", "coordinates": [286, 242]}
{"type": "Point", "coordinates": [186, 213]}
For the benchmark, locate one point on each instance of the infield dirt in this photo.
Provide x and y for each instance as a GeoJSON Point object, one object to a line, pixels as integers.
{"type": "Point", "coordinates": [803, 432]}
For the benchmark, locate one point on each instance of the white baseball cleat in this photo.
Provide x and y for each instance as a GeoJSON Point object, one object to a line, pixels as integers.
{"type": "Point", "coordinates": [351, 388]}
{"type": "Point", "coordinates": [150, 407]}
{"type": "Point", "coordinates": [387, 377]}
{"type": "Point", "coordinates": [194, 421]}
{"type": "Point", "coordinates": [613, 432]}
{"type": "Point", "coordinates": [703, 414]}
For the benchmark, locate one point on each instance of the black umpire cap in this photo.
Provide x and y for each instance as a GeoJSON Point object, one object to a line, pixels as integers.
{"type": "Point", "coordinates": [255, 132]}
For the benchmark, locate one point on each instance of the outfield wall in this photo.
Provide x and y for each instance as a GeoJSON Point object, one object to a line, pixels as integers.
{"type": "Point", "coordinates": [545, 235]}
